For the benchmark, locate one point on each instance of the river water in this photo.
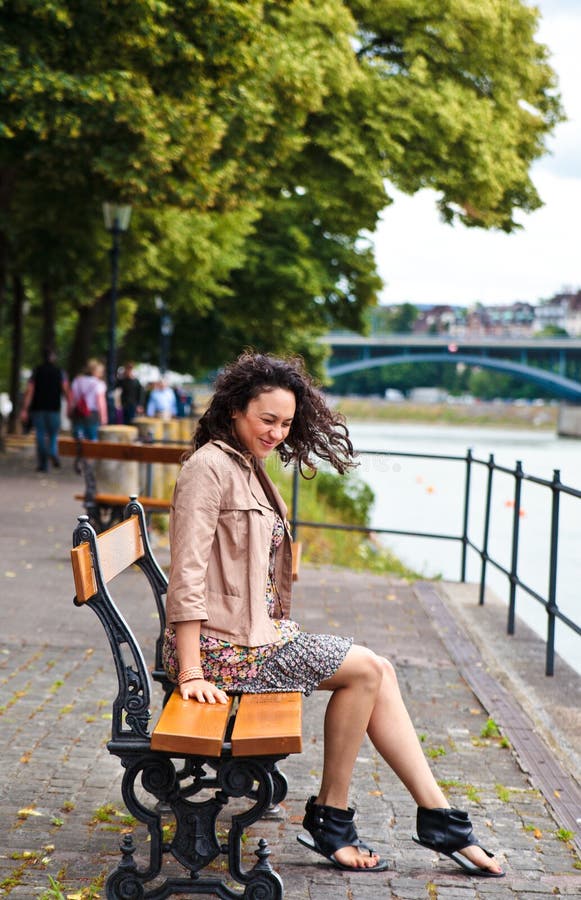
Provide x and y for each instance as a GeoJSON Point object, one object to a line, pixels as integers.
{"type": "Point", "coordinates": [427, 495]}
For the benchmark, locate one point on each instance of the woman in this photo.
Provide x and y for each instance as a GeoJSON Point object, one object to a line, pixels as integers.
{"type": "Point", "coordinates": [228, 604]}
{"type": "Point", "coordinates": [88, 403]}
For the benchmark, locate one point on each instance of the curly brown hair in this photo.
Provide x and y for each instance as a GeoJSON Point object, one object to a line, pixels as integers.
{"type": "Point", "coordinates": [316, 430]}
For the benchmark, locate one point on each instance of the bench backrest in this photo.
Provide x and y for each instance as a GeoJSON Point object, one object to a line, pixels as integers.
{"type": "Point", "coordinates": [96, 560]}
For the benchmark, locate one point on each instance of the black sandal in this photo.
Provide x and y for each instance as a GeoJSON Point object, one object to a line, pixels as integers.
{"type": "Point", "coordinates": [448, 831]}
{"type": "Point", "coordinates": [330, 829]}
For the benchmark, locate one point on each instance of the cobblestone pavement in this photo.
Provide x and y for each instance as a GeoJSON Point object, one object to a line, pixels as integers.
{"type": "Point", "coordinates": [61, 810]}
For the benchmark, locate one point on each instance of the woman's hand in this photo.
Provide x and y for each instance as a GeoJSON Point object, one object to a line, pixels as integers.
{"type": "Point", "coordinates": [202, 691]}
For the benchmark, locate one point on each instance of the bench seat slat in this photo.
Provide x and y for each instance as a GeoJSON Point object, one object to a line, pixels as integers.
{"type": "Point", "coordinates": [268, 724]}
{"type": "Point", "coordinates": [189, 727]}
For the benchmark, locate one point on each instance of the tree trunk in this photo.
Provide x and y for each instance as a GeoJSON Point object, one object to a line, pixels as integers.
{"type": "Point", "coordinates": [48, 330]}
{"type": "Point", "coordinates": [17, 354]}
{"type": "Point", "coordinates": [83, 341]}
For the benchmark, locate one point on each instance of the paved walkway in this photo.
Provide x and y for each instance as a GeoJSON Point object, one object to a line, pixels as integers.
{"type": "Point", "coordinates": [61, 807]}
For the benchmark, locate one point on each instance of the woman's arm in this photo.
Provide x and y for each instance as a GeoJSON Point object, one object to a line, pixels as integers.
{"type": "Point", "coordinates": [27, 400]}
{"type": "Point", "coordinates": [102, 404]}
{"type": "Point", "coordinates": [188, 650]}
{"type": "Point", "coordinates": [193, 521]}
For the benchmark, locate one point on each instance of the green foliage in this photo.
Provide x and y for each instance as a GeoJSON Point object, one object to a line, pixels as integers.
{"type": "Point", "coordinates": [552, 331]}
{"type": "Point", "coordinates": [503, 793]}
{"type": "Point", "coordinates": [348, 495]}
{"type": "Point", "coordinates": [393, 319]}
{"type": "Point", "coordinates": [434, 752]}
{"type": "Point", "coordinates": [54, 891]}
{"type": "Point", "coordinates": [564, 834]}
{"type": "Point", "coordinates": [255, 140]}
{"type": "Point", "coordinates": [490, 729]}
{"type": "Point", "coordinates": [470, 96]}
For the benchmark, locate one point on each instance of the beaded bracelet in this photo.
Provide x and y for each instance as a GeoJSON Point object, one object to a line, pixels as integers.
{"type": "Point", "coordinates": [192, 674]}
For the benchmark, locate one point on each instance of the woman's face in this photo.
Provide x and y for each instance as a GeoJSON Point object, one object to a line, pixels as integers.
{"type": "Point", "coordinates": [265, 422]}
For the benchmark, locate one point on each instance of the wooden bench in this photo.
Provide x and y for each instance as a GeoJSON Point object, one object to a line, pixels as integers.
{"type": "Point", "coordinates": [105, 509]}
{"type": "Point", "coordinates": [241, 742]}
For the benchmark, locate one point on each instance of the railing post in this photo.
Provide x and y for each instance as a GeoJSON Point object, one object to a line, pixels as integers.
{"type": "Point", "coordinates": [551, 600]}
{"type": "Point", "coordinates": [518, 475]}
{"type": "Point", "coordinates": [484, 551]}
{"type": "Point", "coordinates": [295, 501]}
{"type": "Point", "coordinates": [466, 513]}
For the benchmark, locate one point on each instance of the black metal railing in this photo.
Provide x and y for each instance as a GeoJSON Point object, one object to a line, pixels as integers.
{"type": "Point", "coordinates": [469, 462]}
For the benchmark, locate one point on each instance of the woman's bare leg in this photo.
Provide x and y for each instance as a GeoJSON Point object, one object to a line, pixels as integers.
{"type": "Point", "coordinates": [393, 735]}
{"type": "Point", "coordinates": [355, 688]}
{"type": "Point", "coordinates": [366, 697]}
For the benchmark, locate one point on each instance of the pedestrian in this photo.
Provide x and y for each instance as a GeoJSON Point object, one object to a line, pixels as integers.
{"type": "Point", "coordinates": [228, 606]}
{"type": "Point", "coordinates": [162, 401]}
{"type": "Point", "coordinates": [88, 402]}
{"type": "Point", "coordinates": [41, 406]}
{"type": "Point", "coordinates": [132, 394]}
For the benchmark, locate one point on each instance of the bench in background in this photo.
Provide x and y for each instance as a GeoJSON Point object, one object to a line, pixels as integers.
{"type": "Point", "coordinates": [105, 508]}
{"type": "Point", "coordinates": [241, 742]}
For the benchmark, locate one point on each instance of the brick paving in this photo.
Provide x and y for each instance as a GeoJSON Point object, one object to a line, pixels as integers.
{"type": "Point", "coordinates": [61, 810]}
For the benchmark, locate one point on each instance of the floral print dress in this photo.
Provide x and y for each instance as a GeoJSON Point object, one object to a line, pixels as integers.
{"type": "Point", "coordinates": [297, 661]}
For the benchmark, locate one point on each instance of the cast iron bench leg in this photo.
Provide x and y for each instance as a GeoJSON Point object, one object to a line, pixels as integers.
{"type": "Point", "coordinates": [195, 843]}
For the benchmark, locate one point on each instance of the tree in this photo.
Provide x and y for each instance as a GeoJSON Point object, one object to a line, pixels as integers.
{"type": "Point", "coordinates": [431, 76]}
{"type": "Point", "coordinates": [552, 331]}
{"type": "Point", "coordinates": [464, 98]}
{"type": "Point", "coordinates": [254, 140]}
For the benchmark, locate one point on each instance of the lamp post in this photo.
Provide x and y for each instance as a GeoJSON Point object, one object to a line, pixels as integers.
{"type": "Point", "coordinates": [165, 333]}
{"type": "Point", "coordinates": [116, 217]}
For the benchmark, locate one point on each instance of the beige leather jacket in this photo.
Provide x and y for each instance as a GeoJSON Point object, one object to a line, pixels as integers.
{"type": "Point", "coordinates": [220, 534]}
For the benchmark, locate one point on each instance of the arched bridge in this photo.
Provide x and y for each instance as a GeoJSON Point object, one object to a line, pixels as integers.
{"type": "Point", "coordinates": [553, 363]}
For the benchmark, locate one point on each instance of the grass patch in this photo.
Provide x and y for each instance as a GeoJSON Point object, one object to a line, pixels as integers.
{"type": "Point", "coordinates": [434, 752]}
{"type": "Point", "coordinates": [502, 793]}
{"type": "Point", "coordinates": [563, 834]}
{"type": "Point", "coordinates": [366, 409]}
{"type": "Point", "coordinates": [490, 730]}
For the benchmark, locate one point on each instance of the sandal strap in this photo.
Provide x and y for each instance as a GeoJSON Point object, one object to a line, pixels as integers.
{"type": "Point", "coordinates": [446, 830]}
{"type": "Point", "coordinates": [330, 828]}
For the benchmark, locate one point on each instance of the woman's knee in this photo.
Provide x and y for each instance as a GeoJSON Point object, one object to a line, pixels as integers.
{"type": "Point", "coordinates": [368, 665]}
{"type": "Point", "coordinates": [388, 669]}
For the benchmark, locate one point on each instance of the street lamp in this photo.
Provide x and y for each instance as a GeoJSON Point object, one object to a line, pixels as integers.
{"type": "Point", "coordinates": [116, 218]}
{"type": "Point", "coordinates": [166, 331]}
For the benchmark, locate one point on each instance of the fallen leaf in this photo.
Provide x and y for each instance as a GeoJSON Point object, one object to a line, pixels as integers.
{"type": "Point", "coordinates": [10, 574]}
{"type": "Point", "coordinates": [557, 794]}
{"type": "Point", "coordinates": [375, 793]}
{"type": "Point", "coordinates": [537, 833]}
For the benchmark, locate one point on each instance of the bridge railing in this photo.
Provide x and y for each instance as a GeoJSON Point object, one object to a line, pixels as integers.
{"type": "Point", "coordinates": [468, 464]}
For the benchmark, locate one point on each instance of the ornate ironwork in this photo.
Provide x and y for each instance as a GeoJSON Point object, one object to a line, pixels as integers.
{"type": "Point", "coordinates": [171, 784]}
{"type": "Point", "coordinates": [195, 842]}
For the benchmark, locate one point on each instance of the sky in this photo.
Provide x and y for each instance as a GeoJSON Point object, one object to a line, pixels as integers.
{"type": "Point", "coordinates": [421, 260]}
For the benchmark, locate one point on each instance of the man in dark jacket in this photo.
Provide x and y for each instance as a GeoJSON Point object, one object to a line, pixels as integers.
{"type": "Point", "coordinates": [42, 405]}
{"type": "Point", "coordinates": [132, 394]}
